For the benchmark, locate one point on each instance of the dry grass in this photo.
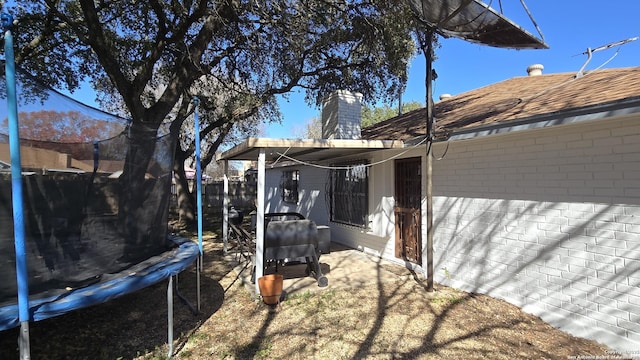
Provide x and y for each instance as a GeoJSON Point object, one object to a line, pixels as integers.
{"type": "Point", "coordinates": [382, 321]}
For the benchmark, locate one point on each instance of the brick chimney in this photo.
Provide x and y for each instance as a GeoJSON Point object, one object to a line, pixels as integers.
{"type": "Point", "coordinates": [341, 115]}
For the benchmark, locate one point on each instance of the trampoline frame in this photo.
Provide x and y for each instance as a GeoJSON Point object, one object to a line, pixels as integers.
{"type": "Point", "coordinates": [166, 265]}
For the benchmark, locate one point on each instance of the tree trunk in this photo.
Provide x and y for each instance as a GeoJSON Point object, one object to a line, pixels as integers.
{"type": "Point", "coordinates": [135, 191]}
{"type": "Point", "coordinates": [185, 199]}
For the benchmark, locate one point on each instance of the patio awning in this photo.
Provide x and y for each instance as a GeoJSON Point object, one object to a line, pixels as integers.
{"type": "Point", "coordinates": [307, 150]}
{"type": "Point", "coordinates": [474, 21]}
{"type": "Point", "coordinates": [267, 150]}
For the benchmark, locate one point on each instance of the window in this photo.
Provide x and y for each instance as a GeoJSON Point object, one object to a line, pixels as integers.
{"type": "Point", "coordinates": [289, 186]}
{"type": "Point", "coordinates": [349, 193]}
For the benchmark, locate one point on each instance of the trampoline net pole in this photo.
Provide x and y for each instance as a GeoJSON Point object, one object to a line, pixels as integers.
{"type": "Point", "coordinates": [170, 316]}
{"type": "Point", "coordinates": [23, 341]}
{"type": "Point", "coordinates": [198, 265]}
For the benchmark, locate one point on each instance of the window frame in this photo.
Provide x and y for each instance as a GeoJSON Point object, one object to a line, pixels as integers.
{"type": "Point", "coordinates": [349, 199]}
{"type": "Point", "coordinates": [290, 186]}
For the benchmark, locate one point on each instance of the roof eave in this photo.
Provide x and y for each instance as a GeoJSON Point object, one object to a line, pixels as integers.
{"type": "Point", "coordinates": [609, 110]}
{"type": "Point", "coordinates": [306, 147]}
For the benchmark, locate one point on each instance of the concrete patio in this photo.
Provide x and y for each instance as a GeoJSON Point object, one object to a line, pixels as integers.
{"type": "Point", "coordinates": [344, 267]}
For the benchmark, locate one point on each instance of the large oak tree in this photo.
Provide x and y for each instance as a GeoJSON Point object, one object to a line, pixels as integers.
{"type": "Point", "coordinates": [235, 55]}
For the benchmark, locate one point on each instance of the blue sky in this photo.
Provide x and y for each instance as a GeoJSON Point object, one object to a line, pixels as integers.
{"type": "Point", "coordinates": [569, 28]}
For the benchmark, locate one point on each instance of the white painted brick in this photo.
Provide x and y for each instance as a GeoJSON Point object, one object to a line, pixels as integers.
{"type": "Point", "coordinates": [547, 226]}
{"type": "Point", "coordinates": [550, 240]}
{"type": "Point", "coordinates": [572, 235]}
{"type": "Point", "coordinates": [607, 158]}
{"type": "Point", "coordinates": [574, 308]}
{"type": "Point", "coordinates": [585, 304]}
{"type": "Point", "coordinates": [629, 308]}
{"type": "Point", "coordinates": [613, 243]}
{"type": "Point", "coordinates": [628, 254]}
{"type": "Point", "coordinates": [632, 210]}
{"type": "Point", "coordinates": [559, 281]}
{"type": "Point", "coordinates": [613, 329]}
{"type": "Point", "coordinates": [631, 326]}
{"type": "Point", "coordinates": [609, 310]}
{"type": "Point", "coordinates": [564, 298]}
{"type": "Point", "coordinates": [633, 275]}
{"type": "Point", "coordinates": [579, 144]}
{"type": "Point", "coordinates": [612, 295]}
{"type": "Point", "coordinates": [556, 264]}
{"type": "Point", "coordinates": [584, 286]}
{"type": "Point", "coordinates": [536, 275]}
{"type": "Point", "coordinates": [601, 233]}
{"type": "Point", "coordinates": [607, 191]}
{"type": "Point", "coordinates": [625, 236]}
{"type": "Point", "coordinates": [582, 191]}
{"type": "Point", "coordinates": [631, 139]}
{"type": "Point", "coordinates": [626, 148]}
{"type": "Point", "coordinates": [601, 250]}
{"type": "Point", "coordinates": [572, 229]}
{"type": "Point", "coordinates": [579, 224]}
{"type": "Point", "coordinates": [549, 271]}
{"type": "Point", "coordinates": [598, 134]}
{"type": "Point", "coordinates": [608, 225]}
{"type": "Point", "coordinates": [573, 292]}
{"type": "Point", "coordinates": [580, 254]}
{"type": "Point", "coordinates": [628, 219]}
{"type": "Point", "coordinates": [579, 215]}
{"type": "Point", "coordinates": [580, 175]}
{"type": "Point", "coordinates": [607, 211]}
{"type": "Point", "coordinates": [632, 192]}
{"type": "Point", "coordinates": [553, 302]}
{"type": "Point", "coordinates": [604, 274]}
{"type": "Point", "coordinates": [572, 261]}
{"type": "Point", "coordinates": [605, 318]}
{"type": "Point", "coordinates": [600, 283]}
{"type": "Point", "coordinates": [635, 300]}
{"type": "Point", "coordinates": [609, 260]}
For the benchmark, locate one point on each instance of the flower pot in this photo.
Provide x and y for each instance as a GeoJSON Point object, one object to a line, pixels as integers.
{"type": "Point", "coordinates": [270, 288]}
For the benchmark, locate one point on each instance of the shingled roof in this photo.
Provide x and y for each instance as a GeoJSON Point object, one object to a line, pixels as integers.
{"type": "Point", "coordinates": [515, 99]}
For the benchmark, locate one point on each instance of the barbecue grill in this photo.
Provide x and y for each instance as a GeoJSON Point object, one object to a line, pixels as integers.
{"type": "Point", "coordinates": [294, 239]}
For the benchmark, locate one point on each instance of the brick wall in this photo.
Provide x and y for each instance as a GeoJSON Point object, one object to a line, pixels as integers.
{"type": "Point", "coordinates": [341, 115]}
{"type": "Point", "coordinates": [549, 221]}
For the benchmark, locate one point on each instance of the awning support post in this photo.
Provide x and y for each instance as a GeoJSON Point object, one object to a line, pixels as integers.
{"type": "Point", "coordinates": [225, 208]}
{"type": "Point", "coordinates": [260, 219]}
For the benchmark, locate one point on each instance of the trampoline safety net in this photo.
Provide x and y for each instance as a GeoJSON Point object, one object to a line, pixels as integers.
{"type": "Point", "coordinates": [96, 195]}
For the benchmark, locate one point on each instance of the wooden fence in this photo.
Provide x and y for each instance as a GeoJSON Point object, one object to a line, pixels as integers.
{"type": "Point", "coordinates": [242, 196]}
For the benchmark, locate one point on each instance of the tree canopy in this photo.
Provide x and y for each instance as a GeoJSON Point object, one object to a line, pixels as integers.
{"type": "Point", "coordinates": [151, 53]}
{"type": "Point", "coordinates": [373, 115]}
{"type": "Point", "coordinates": [62, 126]}
{"type": "Point", "coordinates": [148, 59]}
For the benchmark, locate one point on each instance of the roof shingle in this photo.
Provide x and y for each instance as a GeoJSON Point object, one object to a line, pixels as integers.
{"type": "Point", "coordinates": [514, 99]}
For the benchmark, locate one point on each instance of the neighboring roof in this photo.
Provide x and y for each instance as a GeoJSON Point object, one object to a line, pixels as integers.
{"type": "Point", "coordinates": [521, 99]}
{"type": "Point", "coordinates": [305, 150]}
{"type": "Point", "coordinates": [38, 158]}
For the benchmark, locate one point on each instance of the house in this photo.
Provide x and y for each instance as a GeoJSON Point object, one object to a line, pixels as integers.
{"type": "Point", "coordinates": [535, 188]}
{"type": "Point", "coordinates": [48, 160]}
{"type": "Point", "coordinates": [37, 158]}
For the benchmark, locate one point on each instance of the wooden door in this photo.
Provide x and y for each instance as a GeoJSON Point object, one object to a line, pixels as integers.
{"type": "Point", "coordinates": [408, 198]}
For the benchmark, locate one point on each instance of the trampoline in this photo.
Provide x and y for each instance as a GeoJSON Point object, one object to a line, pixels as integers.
{"type": "Point", "coordinates": [96, 192]}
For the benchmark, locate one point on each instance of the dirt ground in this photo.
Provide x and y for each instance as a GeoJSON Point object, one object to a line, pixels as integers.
{"type": "Point", "coordinates": [398, 320]}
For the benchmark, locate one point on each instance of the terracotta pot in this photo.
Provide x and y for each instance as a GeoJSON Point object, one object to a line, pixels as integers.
{"type": "Point", "coordinates": [270, 288]}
